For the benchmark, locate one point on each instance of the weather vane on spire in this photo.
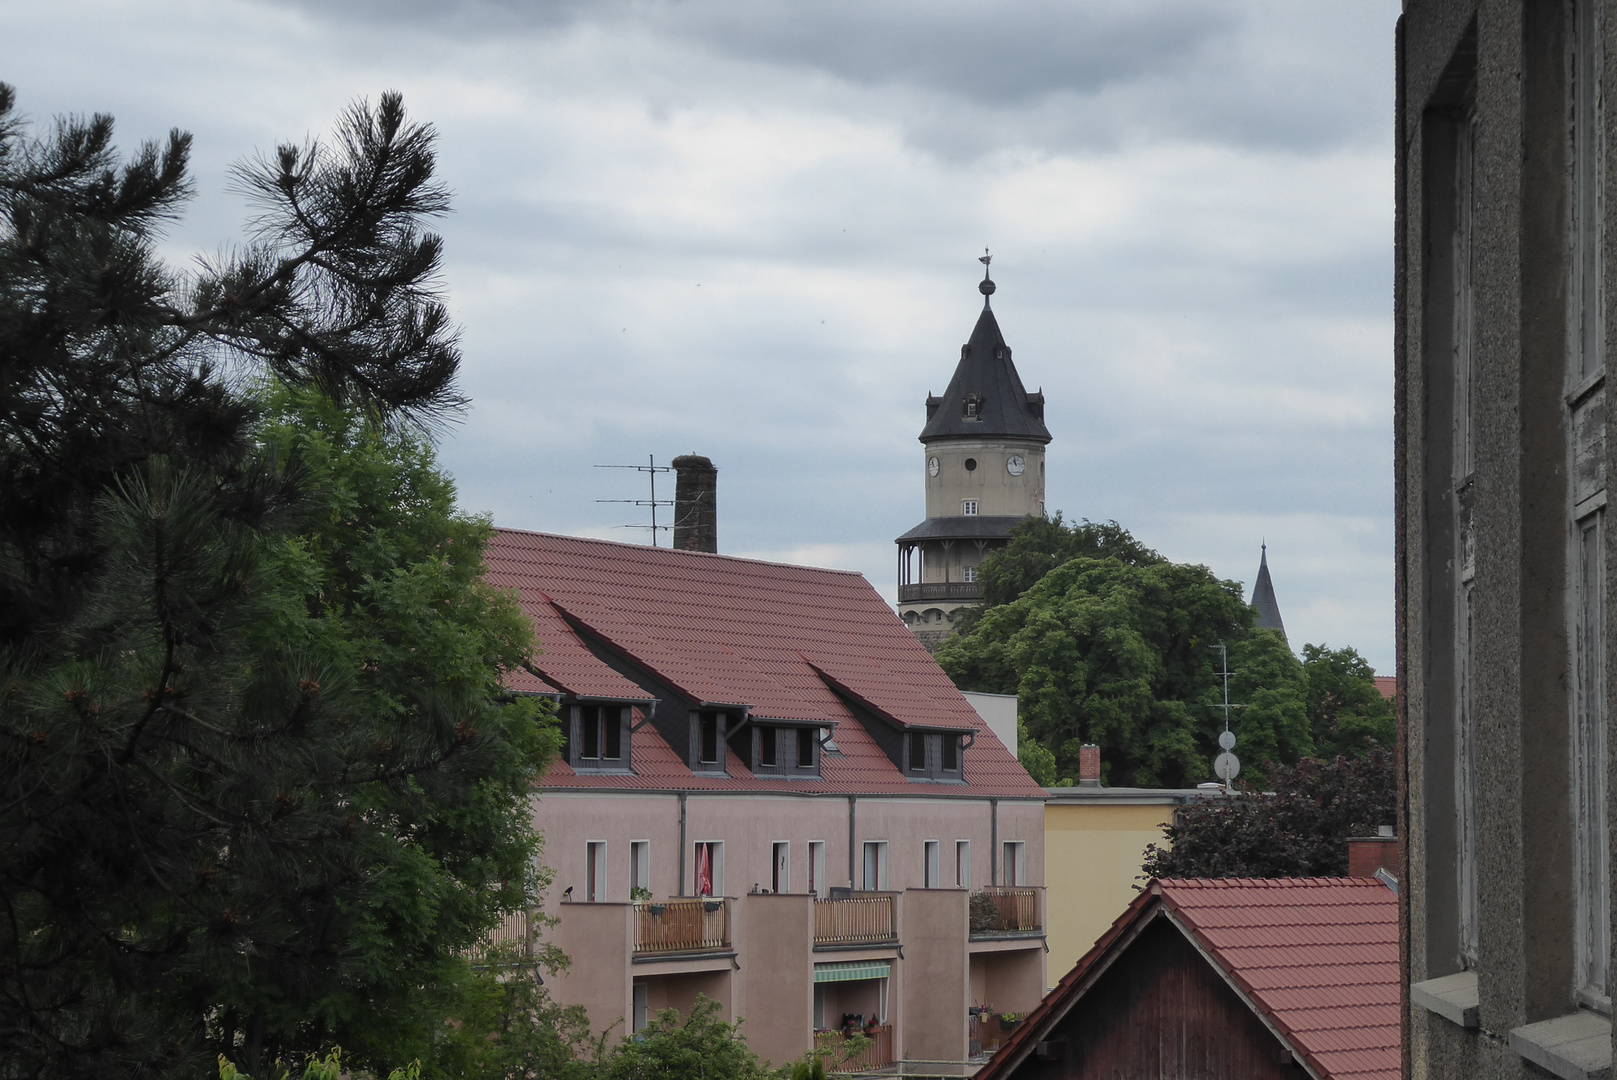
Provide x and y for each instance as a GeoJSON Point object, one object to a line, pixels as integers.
{"type": "Point", "coordinates": [987, 286]}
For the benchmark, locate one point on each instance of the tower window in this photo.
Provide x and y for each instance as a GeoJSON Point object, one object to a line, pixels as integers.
{"type": "Point", "coordinates": [970, 574]}
{"type": "Point", "coordinates": [968, 507]}
{"type": "Point", "coordinates": [971, 464]}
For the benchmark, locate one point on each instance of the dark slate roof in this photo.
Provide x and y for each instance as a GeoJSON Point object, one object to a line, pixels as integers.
{"type": "Point", "coordinates": [1315, 958]}
{"type": "Point", "coordinates": [1004, 408]}
{"type": "Point", "coordinates": [1263, 597]}
{"type": "Point", "coordinates": [789, 642]}
{"type": "Point", "coordinates": [975, 527]}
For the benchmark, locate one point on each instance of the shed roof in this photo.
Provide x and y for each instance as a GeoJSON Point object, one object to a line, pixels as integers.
{"type": "Point", "coordinates": [789, 643]}
{"type": "Point", "coordinates": [1317, 958]}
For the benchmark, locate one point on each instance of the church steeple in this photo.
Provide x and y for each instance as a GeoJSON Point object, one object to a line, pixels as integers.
{"type": "Point", "coordinates": [1263, 597]}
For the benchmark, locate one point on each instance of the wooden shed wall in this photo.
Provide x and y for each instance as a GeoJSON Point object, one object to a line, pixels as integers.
{"type": "Point", "coordinates": [1161, 1012]}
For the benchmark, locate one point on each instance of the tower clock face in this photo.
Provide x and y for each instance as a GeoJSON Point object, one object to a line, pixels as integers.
{"type": "Point", "coordinates": [932, 467]}
{"type": "Point", "coordinates": [1015, 464]}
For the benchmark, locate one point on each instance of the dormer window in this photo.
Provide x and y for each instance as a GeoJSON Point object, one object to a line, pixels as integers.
{"type": "Point", "coordinates": [932, 755]}
{"type": "Point", "coordinates": [709, 738]}
{"type": "Point", "coordinates": [597, 737]}
{"type": "Point", "coordinates": [779, 749]}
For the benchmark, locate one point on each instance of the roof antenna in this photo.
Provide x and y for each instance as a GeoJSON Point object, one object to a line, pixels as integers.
{"type": "Point", "coordinates": [653, 468]}
{"type": "Point", "coordinates": [987, 286]}
{"type": "Point", "coordinates": [1226, 766]}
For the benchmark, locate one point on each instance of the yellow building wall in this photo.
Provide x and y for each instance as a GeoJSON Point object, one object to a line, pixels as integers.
{"type": "Point", "coordinates": [1092, 856]}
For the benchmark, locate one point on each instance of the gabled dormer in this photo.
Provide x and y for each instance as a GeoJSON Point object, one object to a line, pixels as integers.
{"type": "Point", "coordinates": [788, 749]}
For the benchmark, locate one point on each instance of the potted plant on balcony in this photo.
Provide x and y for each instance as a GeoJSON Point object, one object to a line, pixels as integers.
{"type": "Point", "coordinates": [982, 913]}
{"type": "Point", "coordinates": [1009, 1021]}
{"type": "Point", "coordinates": [712, 905]}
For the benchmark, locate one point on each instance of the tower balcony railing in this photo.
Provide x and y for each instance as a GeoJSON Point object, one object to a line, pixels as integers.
{"type": "Point", "coordinates": [940, 590]}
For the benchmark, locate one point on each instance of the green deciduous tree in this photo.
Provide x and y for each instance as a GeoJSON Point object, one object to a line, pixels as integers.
{"type": "Point", "coordinates": [1299, 828]}
{"type": "Point", "coordinates": [1345, 709]}
{"type": "Point", "coordinates": [674, 1048]}
{"type": "Point", "coordinates": [1110, 652]}
{"type": "Point", "coordinates": [261, 783]}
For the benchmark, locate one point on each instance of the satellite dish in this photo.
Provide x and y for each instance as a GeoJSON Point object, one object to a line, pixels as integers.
{"type": "Point", "coordinates": [1226, 740]}
{"type": "Point", "coordinates": [1227, 767]}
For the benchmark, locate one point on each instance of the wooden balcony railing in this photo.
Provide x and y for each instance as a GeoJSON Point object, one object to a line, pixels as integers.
{"type": "Point", "coordinates": [680, 926]}
{"type": "Point", "coordinates": [1005, 910]}
{"type": "Point", "coordinates": [511, 938]}
{"type": "Point", "coordinates": [878, 1055]}
{"type": "Point", "coordinates": [940, 590]}
{"type": "Point", "coordinates": [854, 920]}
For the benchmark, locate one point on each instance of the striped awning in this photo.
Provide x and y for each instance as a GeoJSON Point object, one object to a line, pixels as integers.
{"type": "Point", "coordinates": [856, 969]}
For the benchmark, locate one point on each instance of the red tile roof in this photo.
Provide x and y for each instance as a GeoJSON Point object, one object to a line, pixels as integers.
{"type": "Point", "coordinates": [1387, 686]}
{"type": "Point", "coordinates": [783, 640]}
{"type": "Point", "coordinates": [1317, 957]}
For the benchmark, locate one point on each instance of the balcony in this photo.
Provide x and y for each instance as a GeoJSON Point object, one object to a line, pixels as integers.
{"type": "Point", "coordinates": [677, 927]}
{"type": "Point", "coordinates": [877, 1055]}
{"type": "Point", "coordinates": [940, 590]}
{"type": "Point", "coordinates": [512, 941]}
{"type": "Point", "coordinates": [854, 920]}
{"type": "Point", "coordinates": [1005, 911]}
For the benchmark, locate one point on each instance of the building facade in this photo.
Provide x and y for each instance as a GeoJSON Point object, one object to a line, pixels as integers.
{"type": "Point", "coordinates": [1502, 316]}
{"type": "Point", "coordinates": [983, 464]}
{"type": "Point", "coordinates": [772, 796]}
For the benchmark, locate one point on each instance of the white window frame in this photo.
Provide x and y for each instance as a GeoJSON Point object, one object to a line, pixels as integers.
{"type": "Point", "coordinates": [717, 857]}
{"type": "Point", "coordinates": [1013, 870]}
{"type": "Point", "coordinates": [968, 507]}
{"type": "Point", "coordinates": [639, 1016]}
{"type": "Point", "coordinates": [595, 871]}
{"type": "Point", "coordinates": [639, 865]}
{"type": "Point", "coordinates": [780, 866]}
{"type": "Point", "coordinates": [931, 864]}
{"type": "Point", "coordinates": [816, 868]}
{"type": "Point", "coordinates": [962, 864]}
{"type": "Point", "coordinates": [969, 574]}
{"type": "Point", "coordinates": [877, 850]}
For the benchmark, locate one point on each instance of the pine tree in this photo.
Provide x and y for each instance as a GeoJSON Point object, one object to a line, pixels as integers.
{"type": "Point", "coordinates": [257, 781]}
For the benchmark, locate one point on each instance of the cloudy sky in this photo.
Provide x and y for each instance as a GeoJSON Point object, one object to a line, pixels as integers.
{"type": "Point", "coordinates": [749, 229]}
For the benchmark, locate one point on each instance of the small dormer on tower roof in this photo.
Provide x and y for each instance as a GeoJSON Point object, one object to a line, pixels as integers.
{"type": "Point", "coordinates": [1263, 597]}
{"type": "Point", "coordinates": [985, 398]}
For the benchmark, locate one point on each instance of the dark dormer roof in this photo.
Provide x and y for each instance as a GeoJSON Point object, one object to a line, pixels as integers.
{"type": "Point", "coordinates": [1263, 597]}
{"type": "Point", "coordinates": [985, 398]}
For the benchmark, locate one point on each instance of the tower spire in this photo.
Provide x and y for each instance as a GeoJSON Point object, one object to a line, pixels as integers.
{"type": "Point", "coordinates": [1263, 596]}
{"type": "Point", "coordinates": [987, 285]}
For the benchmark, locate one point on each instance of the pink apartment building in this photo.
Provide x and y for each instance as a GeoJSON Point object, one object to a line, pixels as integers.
{"type": "Point", "coordinates": [771, 795]}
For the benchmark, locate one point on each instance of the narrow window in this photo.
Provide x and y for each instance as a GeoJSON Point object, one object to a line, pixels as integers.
{"type": "Point", "coordinates": [816, 868]}
{"type": "Point", "coordinates": [1015, 870]}
{"type": "Point", "coordinates": [766, 747]}
{"type": "Point", "coordinates": [807, 739]}
{"type": "Point", "coordinates": [640, 1006]}
{"type": "Point", "coordinates": [710, 738]}
{"type": "Point", "coordinates": [639, 865]}
{"type": "Point", "coordinates": [969, 573]}
{"type": "Point", "coordinates": [931, 857]}
{"type": "Point", "coordinates": [917, 752]}
{"type": "Point", "coordinates": [709, 868]}
{"type": "Point", "coordinates": [1464, 456]}
{"type": "Point", "coordinates": [780, 876]}
{"type": "Point", "coordinates": [591, 733]}
{"type": "Point", "coordinates": [875, 866]}
{"type": "Point", "coordinates": [612, 733]}
{"type": "Point", "coordinates": [819, 1006]}
{"type": "Point", "coordinates": [968, 507]}
{"type": "Point", "coordinates": [595, 871]}
{"type": "Point", "coordinates": [962, 864]}
{"type": "Point", "coordinates": [951, 753]}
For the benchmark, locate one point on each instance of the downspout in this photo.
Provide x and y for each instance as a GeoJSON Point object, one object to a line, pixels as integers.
{"type": "Point", "coordinates": [682, 796]}
{"type": "Point", "coordinates": [853, 813]}
{"type": "Point", "coordinates": [993, 844]}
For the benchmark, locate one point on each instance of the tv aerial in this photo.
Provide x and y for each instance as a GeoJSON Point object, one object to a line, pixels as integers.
{"type": "Point", "coordinates": [652, 468]}
{"type": "Point", "coordinates": [1226, 766]}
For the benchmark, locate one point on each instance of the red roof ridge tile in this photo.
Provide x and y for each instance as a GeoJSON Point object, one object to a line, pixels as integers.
{"type": "Point", "coordinates": [677, 552]}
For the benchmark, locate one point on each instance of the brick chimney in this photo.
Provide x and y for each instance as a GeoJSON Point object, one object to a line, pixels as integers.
{"type": "Point", "coordinates": [696, 511]}
{"type": "Point", "coordinates": [1367, 854]}
{"type": "Point", "coordinates": [1089, 765]}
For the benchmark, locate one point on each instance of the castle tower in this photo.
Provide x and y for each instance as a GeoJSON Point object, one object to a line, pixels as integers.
{"type": "Point", "coordinates": [983, 458]}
